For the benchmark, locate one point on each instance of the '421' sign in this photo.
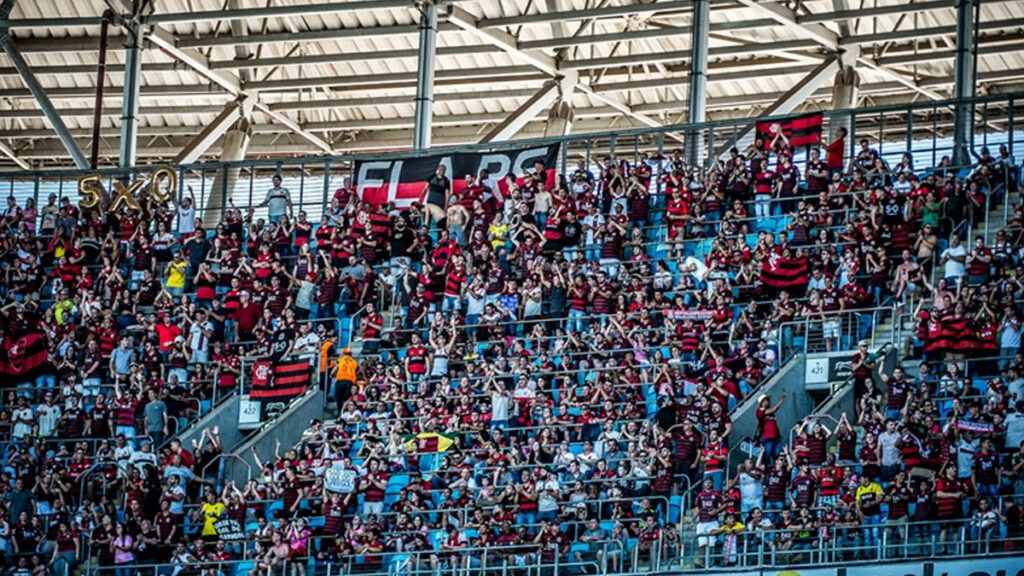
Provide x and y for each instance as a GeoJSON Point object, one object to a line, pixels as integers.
{"type": "Point", "coordinates": [91, 190]}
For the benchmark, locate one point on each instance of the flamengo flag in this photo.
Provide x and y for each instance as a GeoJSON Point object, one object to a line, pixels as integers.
{"type": "Point", "coordinates": [22, 355]}
{"type": "Point", "coordinates": [801, 130]}
{"type": "Point", "coordinates": [402, 180]}
{"type": "Point", "coordinates": [281, 382]}
{"type": "Point", "coordinates": [785, 273]}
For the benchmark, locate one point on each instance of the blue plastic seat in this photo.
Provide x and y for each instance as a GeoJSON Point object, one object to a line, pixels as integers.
{"type": "Point", "coordinates": [244, 567]}
{"type": "Point", "coordinates": [272, 507]}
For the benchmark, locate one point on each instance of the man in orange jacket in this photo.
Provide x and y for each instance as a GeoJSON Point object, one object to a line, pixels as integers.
{"type": "Point", "coordinates": [345, 377]}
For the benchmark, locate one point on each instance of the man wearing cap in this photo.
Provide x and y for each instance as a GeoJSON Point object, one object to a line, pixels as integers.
{"type": "Point", "coordinates": [862, 366]}
{"type": "Point", "coordinates": [345, 377]}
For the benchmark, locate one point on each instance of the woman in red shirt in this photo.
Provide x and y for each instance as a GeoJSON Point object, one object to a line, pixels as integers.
{"type": "Point", "coordinates": [66, 553]}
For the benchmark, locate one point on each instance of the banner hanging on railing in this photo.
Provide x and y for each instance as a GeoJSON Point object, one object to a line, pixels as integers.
{"type": "Point", "coordinates": [800, 130]}
{"type": "Point", "coordinates": [275, 385]}
{"type": "Point", "coordinates": [402, 181]}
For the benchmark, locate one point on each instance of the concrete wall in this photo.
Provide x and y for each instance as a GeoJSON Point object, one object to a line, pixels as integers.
{"type": "Point", "coordinates": [225, 417]}
{"type": "Point", "coordinates": [287, 428]}
{"type": "Point", "coordinates": [799, 403]}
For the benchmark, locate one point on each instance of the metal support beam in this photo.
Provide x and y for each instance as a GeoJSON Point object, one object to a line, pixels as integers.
{"type": "Point", "coordinates": [967, 15]}
{"type": "Point", "coordinates": [194, 59]}
{"type": "Point", "coordinates": [130, 101]}
{"type": "Point", "coordinates": [509, 44]}
{"type": "Point", "coordinates": [696, 109]}
{"type": "Point", "coordinates": [529, 110]}
{"type": "Point", "coordinates": [844, 97]}
{"type": "Point", "coordinates": [240, 28]}
{"type": "Point", "coordinates": [901, 78]}
{"type": "Point", "coordinates": [230, 83]}
{"type": "Point", "coordinates": [560, 120]}
{"type": "Point", "coordinates": [235, 146]}
{"type": "Point", "coordinates": [425, 75]}
{"type": "Point", "coordinates": [840, 6]}
{"type": "Point", "coordinates": [233, 112]}
{"type": "Point", "coordinates": [7, 151]}
{"type": "Point", "coordinates": [787, 17]}
{"type": "Point", "coordinates": [42, 100]}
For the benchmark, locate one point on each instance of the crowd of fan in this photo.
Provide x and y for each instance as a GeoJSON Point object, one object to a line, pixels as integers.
{"type": "Point", "coordinates": [558, 358]}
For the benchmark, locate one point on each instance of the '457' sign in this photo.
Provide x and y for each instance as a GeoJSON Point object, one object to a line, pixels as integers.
{"type": "Point", "coordinates": [163, 183]}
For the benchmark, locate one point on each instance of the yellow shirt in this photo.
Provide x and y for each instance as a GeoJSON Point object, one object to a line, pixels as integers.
{"type": "Point", "coordinates": [499, 233]}
{"type": "Point", "coordinates": [62, 311]}
{"type": "Point", "coordinates": [212, 513]}
{"type": "Point", "coordinates": [176, 274]}
{"type": "Point", "coordinates": [872, 491]}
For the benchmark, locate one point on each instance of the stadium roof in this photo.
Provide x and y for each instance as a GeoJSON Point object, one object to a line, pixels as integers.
{"type": "Point", "coordinates": [341, 76]}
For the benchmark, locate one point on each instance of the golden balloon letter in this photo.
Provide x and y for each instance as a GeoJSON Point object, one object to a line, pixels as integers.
{"type": "Point", "coordinates": [90, 190]}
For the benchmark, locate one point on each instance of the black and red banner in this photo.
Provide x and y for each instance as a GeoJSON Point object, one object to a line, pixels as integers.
{"type": "Point", "coordinates": [800, 130]}
{"type": "Point", "coordinates": [283, 381]}
{"type": "Point", "coordinates": [785, 273]}
{"type": "Point", "coordinates": [275, 385]}
{"type": "Point", "coordinates": [402, 181]}
{"type": "Point", "coordinates": [23, 355]}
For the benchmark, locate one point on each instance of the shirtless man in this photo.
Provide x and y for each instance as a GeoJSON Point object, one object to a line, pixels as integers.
{"type": "Point", "coordinates": [457, 219]}
{"type": "Point", "coordinates": [272, 562]}
{"type": "Point", "coordinates": [908, 276]}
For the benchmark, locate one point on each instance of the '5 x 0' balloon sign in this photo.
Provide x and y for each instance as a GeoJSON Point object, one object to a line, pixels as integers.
{"type": "Point", "coordinates": [91, 190]}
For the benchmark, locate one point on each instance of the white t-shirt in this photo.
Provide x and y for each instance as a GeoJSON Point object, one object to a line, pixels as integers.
{"type": "Point", "coordinates": [751, 491]}
{"type": "Point", "coordinates": [277, 201]}
{"type": "Point", "coordinates": [23, 419]}
{"type": "Point", "coordinates": [499, 407]}
{"type": "Point", "coordinates": [198, 341]}
{"type": "Point", "coordinates": [965, 457]}
{"type": "Point", "coordinates": [590, 222]}
{"type": "Point", "coordinates": [547, 501]}
{"type": "Point", "coordinates": [47, 416]}
{"type": "Point", "coordinates": [890, 450]}
{"type": "Point", "coordinates": [1014, 429]}
{"type": "Point", "coordinates": [1010, 338]}
{"type": "Point", "coordinates": [307, 346]}
{"type": "Point", "coordinates": [953, 268]}
{"type": "Point", "coordinates": [186, 219]}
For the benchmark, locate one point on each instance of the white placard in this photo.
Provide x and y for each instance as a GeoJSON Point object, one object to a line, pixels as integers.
{"type": "Point", "coordinates": [248, 413]}
{"type": "Point", "coordinates": [340, 480]}
{"type": "Point", "coordinates": [816, 371]}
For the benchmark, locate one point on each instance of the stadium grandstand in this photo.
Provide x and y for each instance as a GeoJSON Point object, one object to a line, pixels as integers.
{"type": "Point", "coordinates": [517, 288]}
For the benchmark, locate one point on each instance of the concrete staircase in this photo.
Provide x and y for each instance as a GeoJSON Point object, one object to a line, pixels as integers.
{"type": "Point", "coordinates": [997, 217]}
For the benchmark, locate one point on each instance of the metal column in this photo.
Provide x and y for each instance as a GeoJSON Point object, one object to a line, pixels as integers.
{"type": "Point", "coordinates": [844, 97]}
{"type": "Point", "coordinates": [697, 106]}
{"type": "Point", "coordinates": [967, 13]}
{"type": "Point", "coordinates": [42, 100]}
{"type": "Point", "coordinates": [234, 147]}
{"type": "Point", "coordinates": [425, 75]}
{"type": "Point", "coordinates": [130, 108]}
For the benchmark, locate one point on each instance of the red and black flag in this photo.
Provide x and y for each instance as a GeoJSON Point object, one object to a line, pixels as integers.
{"type": "Point", "coordinates": [783, 273]}
{"type": "Point", "coordinates": [23, 355]}
{"type": "Point", "coordinates": [288, 380]}
{"type": "Point", "coordinates": [800, 130]}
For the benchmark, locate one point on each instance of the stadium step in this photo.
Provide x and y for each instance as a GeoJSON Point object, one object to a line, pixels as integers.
{"type": "Point", "coordinates": [998, 216]}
